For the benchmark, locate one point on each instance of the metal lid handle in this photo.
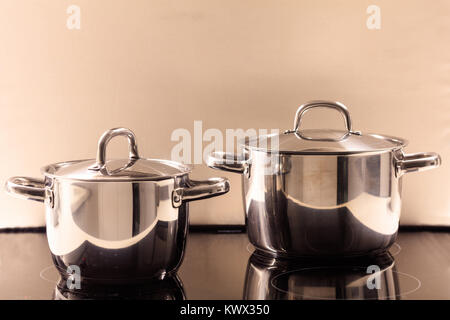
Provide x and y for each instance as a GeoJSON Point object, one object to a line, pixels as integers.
{"type": "Point", "coordinates": [325, 104]}
{"type": "Point", "coordinates": [103, 142]}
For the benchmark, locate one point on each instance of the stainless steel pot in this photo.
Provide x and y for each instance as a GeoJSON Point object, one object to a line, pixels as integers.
{"type": "Point", "coordinates": [117, 219]}
{"type": "Point", "coordinates": [322, 192]}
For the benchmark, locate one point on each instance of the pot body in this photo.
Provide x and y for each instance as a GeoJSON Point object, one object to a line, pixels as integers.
{"type": "Point", "coordinates": [114, 231]}
{"type": "Point", "coordinates": [306, 205]}
{"type": "Point", "coordinates": [322, 205]}
{"type": "Point", "coordinates": [109, 231]}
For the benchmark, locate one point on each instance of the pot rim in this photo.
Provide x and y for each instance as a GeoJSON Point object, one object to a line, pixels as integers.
{"type": "Point", "coordinates": [46, 171]}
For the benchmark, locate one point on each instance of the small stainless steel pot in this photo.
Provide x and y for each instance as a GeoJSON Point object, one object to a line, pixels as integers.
{"type": "Point", "coordinates": [118, 219]}
{"type": "Point", "coordinates": [322, 192]}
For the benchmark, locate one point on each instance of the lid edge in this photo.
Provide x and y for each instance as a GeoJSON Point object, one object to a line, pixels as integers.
{"type": "Point", "coordinates": [401, 143]}
{"type": "Point", "coordinates": [45, 171]}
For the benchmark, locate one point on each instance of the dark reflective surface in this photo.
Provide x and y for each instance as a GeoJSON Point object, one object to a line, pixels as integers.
{"type": "Point", "coordinates": [169, 288]}
{"type": "Point", "coordinates": [216, 266]}
{"type": "Point", "coordinates": [371, 277]}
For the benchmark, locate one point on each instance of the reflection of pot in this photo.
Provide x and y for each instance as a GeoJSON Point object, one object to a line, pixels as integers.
{"type": "Point", "coordinates": [352, 278]}
{"type": "Point", "coordinates": [169, 288]}
{"type": "Point", "coordinates": [341, 187]}
{"type": "Point", "coordinates": [118, 219]}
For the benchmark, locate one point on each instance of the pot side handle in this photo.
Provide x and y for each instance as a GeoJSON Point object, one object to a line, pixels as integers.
{"type": "Point", "coordinates": [228, 162]}
{"type": "Point", "coordinates": [200, 190]}
{"type": "Point", "coordinates": [416, 162]}
{"type": "Point", "coordinates": [26, 188]}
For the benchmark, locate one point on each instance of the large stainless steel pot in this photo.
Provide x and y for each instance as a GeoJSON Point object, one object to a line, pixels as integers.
{"type": "Point", "coordinates": [322, 192]}
{"type": "Point", "coordinates": [118, 219]}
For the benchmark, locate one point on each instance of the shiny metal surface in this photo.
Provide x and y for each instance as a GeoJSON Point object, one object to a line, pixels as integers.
{"type": "Point", "coordinates": [197, 190]}
{"type": "Point", "coordinates": [324, 141]}
{"type": "Point", "coordinates": [100, 162]}
{"type": "Point", "coordinates": [26, 188]}
{"type": "Point", "coordinates": [133, 168]}
{"type": "Point", "coordinates": [271, 279]}
{"type": "Point", "coordinates": [417, 162]}
{"type": "Point", "coordinates": [117, 230]}
{"type": "Point", "coordinates": [322, 104]}
{"type": "Point", "coordinates": [322, 203]}
{"type": "Point", "coordinates": [214, 267]}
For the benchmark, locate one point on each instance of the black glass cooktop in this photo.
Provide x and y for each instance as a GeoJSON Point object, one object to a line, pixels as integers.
{"type": "Point", "coordinates": [225, 266]}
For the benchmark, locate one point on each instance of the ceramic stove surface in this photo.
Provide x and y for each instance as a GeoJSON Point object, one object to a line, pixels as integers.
{"type": "Point", "coordinates": [225, 266]}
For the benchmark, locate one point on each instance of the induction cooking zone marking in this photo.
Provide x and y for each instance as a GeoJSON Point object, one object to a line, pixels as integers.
{"type": "Point", "coordinates": [190, 150]}
{"type": "Point", "coordinates": [395, 249]}
{"type": "Point", "coordinates": [324, 283]}
{"type": "Point", "coordinates": [49, 274]}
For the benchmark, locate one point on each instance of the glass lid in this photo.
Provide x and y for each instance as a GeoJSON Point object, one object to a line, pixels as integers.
{"type": "Point", "coordinates": [131, 169]}
{"type": "Point", "coordinates": [323, 141]}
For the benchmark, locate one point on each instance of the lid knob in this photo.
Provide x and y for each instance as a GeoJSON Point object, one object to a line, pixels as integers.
{"type": "Point", "coordinates": [103, 142]}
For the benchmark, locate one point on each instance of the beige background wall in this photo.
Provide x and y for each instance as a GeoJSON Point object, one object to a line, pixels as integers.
{"type": "Point", "coordinates": [155, 66]}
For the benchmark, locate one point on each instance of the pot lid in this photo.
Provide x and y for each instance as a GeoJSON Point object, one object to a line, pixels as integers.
{"type": "Point", "coordinates": [323, 141]}
{"type": "Point", "coordinates": [130, 169]}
